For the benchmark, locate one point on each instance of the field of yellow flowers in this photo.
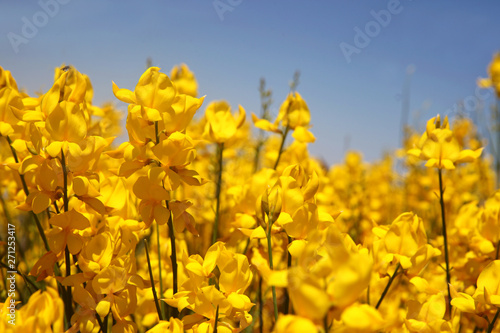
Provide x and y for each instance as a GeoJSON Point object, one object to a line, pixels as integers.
{"type": "Point", "coordinates": [212, 223]}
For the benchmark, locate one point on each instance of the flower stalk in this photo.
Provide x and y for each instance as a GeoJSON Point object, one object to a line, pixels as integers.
{"type": "Point", "coordinates": [220, 151]}
{"type": "Point", "coordinates": [445, 238]}
{"type": "Point", "coordinates": [384, 293]}
{"type": "Point", "coordinates": [173, 258]}
{"type": "Point", "coordinates": [155, 296]}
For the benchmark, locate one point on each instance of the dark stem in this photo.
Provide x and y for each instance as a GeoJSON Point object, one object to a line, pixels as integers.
{"type": "Point", "coordinates": [270, 250]}
{"type": "Point", "coordinates": [286, 302]}
{"type": "Point", "coordinates": [159, 264]}
{"type": "Point", "coordinates": [283, 139]}
{"type": "Point", "coordinates": [155, 296]}
{"type": "Point", "coordinates": [492, 324]}
{"type": "Point", "coordinates": [261, 304]}
{"type": "Point", "coordinates": [220, 151]}
{"type": "Point", "coordinates": [445, 238]}
{"type": "Point", "coordinates": [216, 319]}
{"type": "Point", "coordinates": [65, 174]}
{"type": "Point", "coordinates": [69, 298]}
{"type": "Point", "coordinates": [387, 287]}
{"type": "Point", "coordinates": [173, 258]}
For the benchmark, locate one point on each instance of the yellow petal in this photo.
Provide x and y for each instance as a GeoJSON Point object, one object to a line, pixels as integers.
{"type": "Point", "coordinates": [124, 95]}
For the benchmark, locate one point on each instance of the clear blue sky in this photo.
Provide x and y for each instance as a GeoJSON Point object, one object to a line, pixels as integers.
{"type": "Point", "coordinates": [450, 44]}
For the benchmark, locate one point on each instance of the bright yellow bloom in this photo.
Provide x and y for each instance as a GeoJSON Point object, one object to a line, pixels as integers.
{"type": "Point", "coordinates": [493, 79]}
{"type": "Point", "coordinates": [428, 316]}
{"type": "Point", "coordinates": [44, 312]}
{"type": "Point", "coordinates": [439, 147]}
{"type": "Point", "coordinates": [362, 318]}
{"type": "Point", "coordinates": [184, 80]}
{"type": "Point", "coordinates": [404, 238]}
{"type": "Point", "coordinates": [153, 196]}
{"type": "Point", "coordinates": [175, 153]}
{"type": "Point", "coordinates": [9, 97]}
{"type": "Point", "coordinates": [64, 233]}
{"type": "Point", "coordinates": [488, 285]}
{"type": "Point", "coordinates": [174, 325]}
{"type": "Point", "coordinates": [294, 114]}
{"type": "Point", "coordinates": [221, 125]}
{"type": "Point", "coordinates": [67, 127]}
{"type": "Point", "coordinates": [153, 94]}
{"type": "Point", "coordinates": [294, 324]}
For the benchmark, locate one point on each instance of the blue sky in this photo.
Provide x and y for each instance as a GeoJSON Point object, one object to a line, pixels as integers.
{"type": "Point", "coordinates": [354, 104]}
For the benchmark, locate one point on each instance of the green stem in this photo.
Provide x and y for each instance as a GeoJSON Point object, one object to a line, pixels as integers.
{"type": "Point", "coordinates": [216, 319]}
{"type": "Point", "coordinates": [69, 298]}
{"type": "Point", "coordinates": [173, 258]}
{"type": "Point", "coordinates": [270, 250]}
{"type": "Point", "coordinates": [157, 138]}
{"type": "Point", "coordinates": [261, 305]}
{"type": "Point", "coordinates": [286, 305]}
{"type": "Point", "coordinates": [387, 287]}
{"type": "Point", "coordinates": [492, 324]}
{"type": "Point", "coordinates": [101, 324]}
{"type": "Point", "coordinates": [65, 180]}
{"type": "Point", "coordinates": [220, 150]}
{"type": "Point", "coordinates": [159, 264]}
{"type": "Point", "coordinates": [157, 304]}
{"type": "Point", "coordinates": [283, 139]}
{"type": "Point", "coordinates": [27, 192]}
{"type": "Point", "coordinates": [446, 257]}
{"type": "Point", "coordinates": [157, 134]}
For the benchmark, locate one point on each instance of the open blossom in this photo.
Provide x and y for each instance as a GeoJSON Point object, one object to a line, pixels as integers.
{"type": "Point", "coordinates": [184, 80]}
{"type": "Point", "coordinates": [493, 79]}
{"type": "Point", "coordinates": [294, 114]}
{"type": "Point", "coordinates": [439, 147]}
{"type": "Point", "coordinates": [221, 124]}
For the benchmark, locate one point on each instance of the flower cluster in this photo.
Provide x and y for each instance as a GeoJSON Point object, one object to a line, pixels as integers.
{"type": "Point", "coordinates": [196, 224]}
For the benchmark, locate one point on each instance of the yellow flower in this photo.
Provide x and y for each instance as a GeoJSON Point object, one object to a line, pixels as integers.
{"type": "Point", "coordinates": [47, 181]}
{"type": "Point", "coordinates": [153, 196]}
{"type": "Point", "coordinates": [294, 324]}
{"type": "Point", "coordinates": [174, 325]}
{"type": "Point", "coordinates": [488, 285]}
{"type": "Point", "coordinates": [153, 94]}
{"type": "Point", "coordinates": [175, 153]}
{"type": "Point", "coordinates": [405, 237]}
{"type": "Point", "coordinates": [294, 114]}
{"type": "Point", "coordinates": [427, 316]}
{"type": "Point", "coordinates": [439, 147]}
{"type": "Point", "coordinates": [75, 86]}
{"type": "Point", "coordinates": [184, 80]}
{"type": "Point", "coordinates": [221, 125]}
{"type": "Point", "coordinates": [64, 233]}
{"type": "Point", "coordinates": [494, 76]}
{"type": "Point", "coordinates": [121, 299]}
{"type": "Point", "coordinates": [67, 127]}
{"type": "Point", "coordinates": [96, 254]}
{"type": "Point", "coordinates": [362, 318]}
{"type": "Point", "coordinates": [44, 312]}
{"type": "Point", "coordinates": [9, 98]}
